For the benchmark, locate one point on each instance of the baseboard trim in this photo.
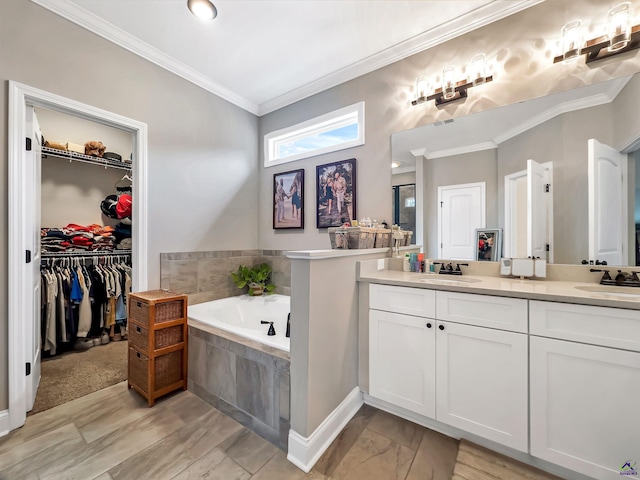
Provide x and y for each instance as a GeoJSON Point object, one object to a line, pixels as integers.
{"type": "Point", "coordinates": [4, 423]}
{"type": "Point", "coordinates": [304, 452]}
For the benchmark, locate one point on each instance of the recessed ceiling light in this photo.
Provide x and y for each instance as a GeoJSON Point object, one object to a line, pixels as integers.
{"type": "Point", "coordinates": [395, 164]}
{"type": "Point", "coordinates": [202, 9]}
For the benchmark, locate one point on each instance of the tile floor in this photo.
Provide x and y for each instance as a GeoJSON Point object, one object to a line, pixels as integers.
{"type": "Point", "coordinates": [112, 434]}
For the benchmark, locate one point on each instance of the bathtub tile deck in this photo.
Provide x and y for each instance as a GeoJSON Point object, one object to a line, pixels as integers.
{"type": "Point", "coordinates": [111, 434]}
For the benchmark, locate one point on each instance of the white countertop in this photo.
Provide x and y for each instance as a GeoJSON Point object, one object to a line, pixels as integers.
{"type": "Point", "coordinates": [534, 289]}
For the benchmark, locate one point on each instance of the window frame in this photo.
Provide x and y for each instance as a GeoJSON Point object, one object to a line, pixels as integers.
{"type": "Point", "coordinates": [318, 125]}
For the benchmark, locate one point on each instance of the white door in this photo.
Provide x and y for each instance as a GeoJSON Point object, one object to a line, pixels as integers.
{"type": "Point", "coordinates": [402, 361]}
{"type": "Point", "coordinates": [462, 210]}
{"type": "Point", "coordinates": [607, 204]}
{"type": "Point", "coordinates": [481, 382]}
{"type": "Point", "coordinates": [585, 414]}
{"type": "Point", "coordinates": [32, 250]}
{"type": "Point", "coordinates": [536, 210]}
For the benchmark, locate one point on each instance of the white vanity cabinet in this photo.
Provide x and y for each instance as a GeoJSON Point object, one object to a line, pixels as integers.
{"type": "Point", "coordinates": [402, 346]}
{"type": "Point", "coordinates": [585, 387]}
{"type": "Point", "coordinates": [457, 370]}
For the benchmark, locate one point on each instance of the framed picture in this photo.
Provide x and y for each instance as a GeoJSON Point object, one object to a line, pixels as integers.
{"type": "Point", "coordinates": [489, 244]}
{"type": "Point", "coordinates": [335, 193]}
{"type": "Point", "coordinates": [288, 199]}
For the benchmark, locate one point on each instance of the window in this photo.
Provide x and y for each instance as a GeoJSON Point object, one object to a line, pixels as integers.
{"type": "Point", "coordinates": [337, 130]}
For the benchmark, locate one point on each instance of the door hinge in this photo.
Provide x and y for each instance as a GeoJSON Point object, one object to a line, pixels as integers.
{"type": "Point", "coordinates": [28, 144]}
{"type": "Point", "coordinates": [441, 204]}
{"type": "Point", "coordinates": [547, 188]}
{"type": "Point", "coordinates": [28, 369]}
{"type": "Point", "coordinates": [28, 256]}
{"type": "Point", "coordinates": [547, 247]}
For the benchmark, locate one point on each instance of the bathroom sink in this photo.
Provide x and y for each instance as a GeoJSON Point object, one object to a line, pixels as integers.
{"type": "Point", "coordinates": [613, 292]}
{"type": "Point", "coordinates": [459, 281]}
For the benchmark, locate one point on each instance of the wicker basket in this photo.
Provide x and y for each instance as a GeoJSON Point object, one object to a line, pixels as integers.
{"type": "Point", "coordinates": [383, 238]}
{"type": "Point", "coordinates": [361, 237]}
{"type": "Point", "coordinates": [407, 237]}
{"type": "Point", "coordinates": [168, 370]}
{"type": "Point", "coordinates": [139, 336]}
{"type": "Point", "coordinates": [167, 307]}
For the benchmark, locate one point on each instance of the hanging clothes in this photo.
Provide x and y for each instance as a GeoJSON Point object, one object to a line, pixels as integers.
{"type": "Point", "coordinates": [80, 302]}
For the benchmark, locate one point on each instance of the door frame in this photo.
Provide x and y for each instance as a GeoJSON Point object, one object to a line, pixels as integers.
{"type": "Point", "coordinates": [20, 97]}
{"type": "Point", "coordinates": [509, 195]}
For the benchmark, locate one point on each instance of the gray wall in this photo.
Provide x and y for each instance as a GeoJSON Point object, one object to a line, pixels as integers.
{"type": "Point", "coordinates": [520, 50]}
{"type": "Point", "coordinates": [403, 178]}
{"type": "Point", "coordinates": [203, 179]}
{"type": "Point", "coordinates": [471, 167]}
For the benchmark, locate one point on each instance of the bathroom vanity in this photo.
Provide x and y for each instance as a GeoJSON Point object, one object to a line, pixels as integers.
{"type": "Point", "coordinates": [550, 370]}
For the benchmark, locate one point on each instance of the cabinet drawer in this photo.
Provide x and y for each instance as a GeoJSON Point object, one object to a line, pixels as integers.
{"type": "Point", "coordinates": [483, 310]}
{"type": "Point", "coordinates": [163, 337]}
{"type": "Point", "coordinates": [410, 301]}
{"type": "Point", "coordinates": [609, 327]}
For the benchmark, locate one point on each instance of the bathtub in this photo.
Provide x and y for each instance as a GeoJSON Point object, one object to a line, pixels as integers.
{"type": "Point", "coordinates": [242, 315]}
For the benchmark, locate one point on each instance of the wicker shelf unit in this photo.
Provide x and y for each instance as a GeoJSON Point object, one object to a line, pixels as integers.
{"type": "Point", "coordinates": [157, 343]}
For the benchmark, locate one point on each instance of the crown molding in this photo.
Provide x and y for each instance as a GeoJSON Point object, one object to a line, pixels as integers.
{"type": "Point", "coordinates": [461, 150]}
{"type": "Point", "coordinates": [454, 28]}
{"type": "Point", "coordinates": [459, 26]}
{"type": "Point", "coordinates": [82, 17]}
{"type": "Point", "coordinates": [594, 100]}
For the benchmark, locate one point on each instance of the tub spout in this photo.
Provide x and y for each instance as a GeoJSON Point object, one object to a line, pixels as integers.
{"type": "Point", "coordinates": [288, 325]}
{"type": "Point", "coordinates": [272, 331]}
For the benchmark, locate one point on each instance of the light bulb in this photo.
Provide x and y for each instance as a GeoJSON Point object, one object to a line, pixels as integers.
{"type": "Point", "coordinates": [619, 26]}
{"type": "Point", "coordinates": [449, 82]}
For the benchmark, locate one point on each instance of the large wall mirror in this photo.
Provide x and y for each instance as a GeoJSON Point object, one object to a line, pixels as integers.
{"type": "Point", "coordinates": [581, 145]}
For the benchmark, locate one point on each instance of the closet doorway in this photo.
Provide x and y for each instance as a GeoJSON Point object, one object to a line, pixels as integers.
{"type": "Point", "coordinates": [25, 190]}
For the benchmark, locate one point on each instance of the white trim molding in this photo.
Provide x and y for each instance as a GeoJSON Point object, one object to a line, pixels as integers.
{"type": "Point", "coordinates": [484, 15]}
{"type": "Point", "coordinates": [304, 452]}
{"type": "Point", "coordinates": [20, 97]}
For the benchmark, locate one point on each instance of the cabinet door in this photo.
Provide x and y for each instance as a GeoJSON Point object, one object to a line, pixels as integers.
{"type": "Point", "coordinates": [585, 412]}
{"type": "Point", "coordinates": [401, 361]}
{"type": "Point", "coordinates": [418, 302]}
{"type": "Point", "coordinates": [481, 382]}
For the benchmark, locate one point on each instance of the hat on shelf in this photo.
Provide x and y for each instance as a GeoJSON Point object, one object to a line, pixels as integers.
{"type": "Point", "coordinates": [108, 206]}
{"type": "Point", "coordinates": [94, 148]}
{"type": "Point", "coordinates": [112, 156]}
{"type": "Point", "coordinates": [123, 207]}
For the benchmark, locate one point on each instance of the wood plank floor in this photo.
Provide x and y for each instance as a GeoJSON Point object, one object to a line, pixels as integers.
{"type": "Point", "coordinates": [112, 435]}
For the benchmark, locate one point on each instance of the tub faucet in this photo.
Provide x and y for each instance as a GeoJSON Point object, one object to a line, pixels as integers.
{"type": "Point", "coordinates": [272, 331]}
{"type": "Point", "coordinates": [288, 334]}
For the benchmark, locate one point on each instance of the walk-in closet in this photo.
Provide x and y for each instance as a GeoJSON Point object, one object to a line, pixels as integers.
{"type": "Point", "coordinates": [85, 255]}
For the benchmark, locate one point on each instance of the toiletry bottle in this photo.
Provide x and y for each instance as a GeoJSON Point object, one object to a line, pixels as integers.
{"type": "Point", "coordinates": [405, 263]}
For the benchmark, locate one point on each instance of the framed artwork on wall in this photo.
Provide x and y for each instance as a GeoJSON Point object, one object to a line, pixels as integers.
{"type": "Point", "coordinates": [288, 199]}
{"type": "Point", "coordinates": [489, 244]}
{"type": "Point", "coordinates": [335, 193]}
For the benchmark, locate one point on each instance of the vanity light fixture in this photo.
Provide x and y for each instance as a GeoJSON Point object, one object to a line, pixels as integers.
{"type": "Point", "coordinates": [202, 9]}
{"type": "Point", "coordinates": [620, 37]}
{"type": "Point", "coordinates": [452, 89]}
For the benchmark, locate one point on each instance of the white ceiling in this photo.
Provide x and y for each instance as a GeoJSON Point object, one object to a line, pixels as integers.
{"type": "Point", "coordinates": [265, 54]}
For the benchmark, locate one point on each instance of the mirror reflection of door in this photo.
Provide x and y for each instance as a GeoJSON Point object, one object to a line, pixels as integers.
{"type": "Point", "coordinates": [529, 212]}
{"type": "Point", "coordinates": [607, 179]}
{"type": "Point", "coordinates": [404, 207]}
{"type": "Point", "coordinates": [462, 210]}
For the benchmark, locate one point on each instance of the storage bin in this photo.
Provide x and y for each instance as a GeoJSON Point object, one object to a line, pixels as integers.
{"type": "Point", "coordinates": [361, 237]}
{"type": "Point", "coordinates": [383, 238]}
{"type": "Point", "coordinates": [157, 343]}
{"type": "Point", "coordinates": [167, 370]}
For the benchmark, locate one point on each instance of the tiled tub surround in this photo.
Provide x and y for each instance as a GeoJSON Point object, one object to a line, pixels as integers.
{"type": "Point", "coordinates": [245, 379]}
{"type": "Point", "coordinates": [206, 276]}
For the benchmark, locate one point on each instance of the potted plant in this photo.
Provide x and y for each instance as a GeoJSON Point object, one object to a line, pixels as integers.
{"type": "Point", "coordinates": [256, 278]}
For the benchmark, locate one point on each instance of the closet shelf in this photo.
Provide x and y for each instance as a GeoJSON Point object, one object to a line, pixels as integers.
{"type": "Point", "coordinates": [78, 157]}
{"type": "Point", "coordinates": [99, 253]}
